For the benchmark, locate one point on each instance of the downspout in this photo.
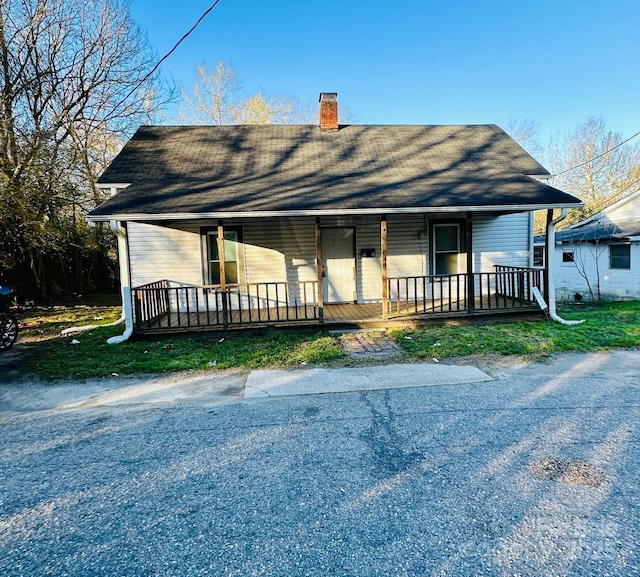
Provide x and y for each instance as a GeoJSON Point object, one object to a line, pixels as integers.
{"type": "Point", "coordinates": [551, 243]}
{"type": "Point", "coordinates": [125, 283]}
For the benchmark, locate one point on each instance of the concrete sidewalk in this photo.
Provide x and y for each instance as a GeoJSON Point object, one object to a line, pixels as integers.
{"type": "Point", "coordinates": [279, 383]}
{"type": "Point", "coordinates": [209, 388]}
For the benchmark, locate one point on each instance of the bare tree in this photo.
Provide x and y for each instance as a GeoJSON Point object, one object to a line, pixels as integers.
{"type": "Point", "coordinates": [71, 72]}
{"type": "Point", "coordinates": [213, 96]}
{"type": "Point", "coordinates": [527, 134]}
{"type": "Point", "coordinates": [592, 164]}
{"type": "Point", "coordinates": [256, 109]}
{"type": "Point", "coordinates": [592, 279]}
{"type": "Point", "coordinates": [217, 98]}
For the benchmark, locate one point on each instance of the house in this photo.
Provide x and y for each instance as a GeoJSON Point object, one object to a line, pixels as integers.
{"type": "Point", "coordinates": [599, 257]}
{"type": "Point", "coordinates": [223, 226]}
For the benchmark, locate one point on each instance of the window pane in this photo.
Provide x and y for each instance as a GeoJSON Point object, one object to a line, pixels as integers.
{"type": "Point", "coordinates": [446, 238]}
{"type": "Point", "coordinates": [231, 271]}
{"type": "Point", "coordinates": [230, 240]}
{"type": "Point", "coordinates": [230, 246]}
{"type": "Point", "coordinates": [568, 257]}
{"type": "Point", "coordinates": [214, 272]}
{"type": "Point", "coordinates": [447, 263]}
{"type": "Point", "coordinates": [620, 256]}
{"type": "Point", "coordinates": [538, 256]}
{"type": "Point", "coordinates": [213, 246]}
{"type": "Point", "coordinates": [230, 257]}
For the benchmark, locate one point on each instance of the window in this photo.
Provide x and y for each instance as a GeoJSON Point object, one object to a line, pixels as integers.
{"type": "Point", "coordinates": [620, 256]}
{"type": "Point", "coordinates": [447, 244]}
{"type": "Point", "coordinates": [538, 256]}
{"type": "Point", "coordinates": [232, 255]}
{"type": "Point", "coordinates": [568, 257]}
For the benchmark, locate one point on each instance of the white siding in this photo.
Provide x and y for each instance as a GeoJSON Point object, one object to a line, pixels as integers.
{"type": "Point", "coordinates": [407, 246]}
{"type": "Point", "coordinates": [369, 269]}
{"type": "Point", "coordinates": [280, 249]}
{"type": "Point", "coordinates": [502, 240]}
{"type": "Point", "coordinates": [593, 261]}
{"type": "Point", "coordinates": [283, 249]}
{"type": "Point", "coordinates": [158, 253]}
{"type": "Point", "coordinates": [626, 211]}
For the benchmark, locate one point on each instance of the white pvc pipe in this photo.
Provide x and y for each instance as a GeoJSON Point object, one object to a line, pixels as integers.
{"type": "Point", "coordinates": [551, 243]}
{"type": "Point", "coordinates": [77, 330]}
{"type": "Point", "coordinates": [125, 283]}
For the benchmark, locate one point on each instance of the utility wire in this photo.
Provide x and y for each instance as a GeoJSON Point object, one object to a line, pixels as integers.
{"type": "Point", "coordinates": [184, 37]}
{"type": "Point", "coordinates": [609, 150]}
{"type": "Point", "coordinates": [607, 202]}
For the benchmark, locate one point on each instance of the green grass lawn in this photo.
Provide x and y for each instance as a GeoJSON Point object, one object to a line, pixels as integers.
{"type": "Point", "coordinates": [614, 325]}
{"type": "Point", "coordinates": [92, 357]}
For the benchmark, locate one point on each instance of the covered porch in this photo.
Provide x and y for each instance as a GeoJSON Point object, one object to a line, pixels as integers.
{"type": "Point", "coordinates": [164, 306]}
{"type": "Point", "coordinates": [249, 226]}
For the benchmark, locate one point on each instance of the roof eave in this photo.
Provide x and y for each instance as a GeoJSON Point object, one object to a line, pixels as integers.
{"type": "Point", "coordinates": [141, 216]}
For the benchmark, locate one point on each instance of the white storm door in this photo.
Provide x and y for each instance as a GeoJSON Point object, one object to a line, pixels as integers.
{"type": "Point", "coordinates": [339, 262]}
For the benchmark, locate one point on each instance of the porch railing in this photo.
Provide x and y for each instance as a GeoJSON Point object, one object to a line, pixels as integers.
{"type": "Point", "coordinates": [427, 294]}
{"type": "Point", "coordinates": [164, 305]}
{"type": "Point", "coordinates": [517, 282]}
{"type": "Point", "coordinates": [503, 288]}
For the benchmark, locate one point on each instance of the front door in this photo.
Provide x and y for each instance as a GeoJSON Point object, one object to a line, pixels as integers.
{"type": "Point", "coordinates": [339, 265]}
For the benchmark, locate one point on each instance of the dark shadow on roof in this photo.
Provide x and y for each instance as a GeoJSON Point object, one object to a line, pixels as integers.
{"type": "Point", "coordinates": [202, 169]}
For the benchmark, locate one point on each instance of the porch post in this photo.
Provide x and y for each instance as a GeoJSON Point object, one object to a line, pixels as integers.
{"type": "Point", "coordinates": [319, 271]}
{"type": "Point", "coordinates": [383, 262]}
{"type": "Point", "coordinates": [547, 251]}
{"type": "Point", "coordinates": [471, 287]}
{"type": "Point", "coordinates": [223, 275]}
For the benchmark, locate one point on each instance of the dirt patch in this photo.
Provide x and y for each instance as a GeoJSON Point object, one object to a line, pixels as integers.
{"type": "Point", "coordinates": [11, 365]}
{"type": "Point", "coordinates": [571, 472]}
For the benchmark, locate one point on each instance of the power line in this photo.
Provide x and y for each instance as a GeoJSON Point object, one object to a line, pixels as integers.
{"type": "Point", "coordinates": [607, 202]}
{"type": "Point", "coordinates": [609, 150]}
{"type": "Point", "coordinates": [155, 68]}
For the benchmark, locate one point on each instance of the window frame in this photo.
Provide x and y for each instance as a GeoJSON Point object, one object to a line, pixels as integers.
{"type": "Point", "coordinates": [542, 258]}
{"type": "Point", "coordinates": [624, 258]}
{"type": "Point", "coordinates": [570, 257]}
{"type": "Point", "coordinates": [460, 225]}
{"type": "Point", "coordinates": [207, 234]}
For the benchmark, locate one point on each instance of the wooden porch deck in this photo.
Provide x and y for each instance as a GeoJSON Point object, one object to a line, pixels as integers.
{"type": "Point", "coordinates": [344, 314]}
{"type": "Point", "coordinates": [160, 307]}
{"type": "Point", "coordinates": [404, 312]}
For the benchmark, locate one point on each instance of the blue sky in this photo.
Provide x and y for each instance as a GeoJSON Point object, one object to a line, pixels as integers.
{"type": "Point", "coordinates": [553, 62]}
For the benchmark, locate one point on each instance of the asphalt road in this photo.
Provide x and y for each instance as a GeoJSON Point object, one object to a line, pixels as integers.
{"type": "Point", "coordinates": [534, 472]}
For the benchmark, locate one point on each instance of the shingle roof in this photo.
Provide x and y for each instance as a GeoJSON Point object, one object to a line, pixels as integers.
{"type": "Point", "coordinates": [279, 168]}
{"type": "Point", "coordinates": [601, 230]}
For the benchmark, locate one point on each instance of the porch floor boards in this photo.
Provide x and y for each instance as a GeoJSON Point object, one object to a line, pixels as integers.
{"type": "Point", "coordinates": [368, 314]}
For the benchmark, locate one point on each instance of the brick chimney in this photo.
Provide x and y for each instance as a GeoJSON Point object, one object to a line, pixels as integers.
{"type": "Point", "coordinates": [328, 111]}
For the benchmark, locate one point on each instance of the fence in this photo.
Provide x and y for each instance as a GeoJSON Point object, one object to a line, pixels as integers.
{"type": "Point", "coordinates": [161, 305]}
{"type": "Point", "coordinates": [505, 287]}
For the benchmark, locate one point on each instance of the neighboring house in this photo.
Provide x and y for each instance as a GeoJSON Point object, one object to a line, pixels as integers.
{"type": "Point", "coordinates": [599, 257]}
{"type": "Point", "coordinates": [227, 225]}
